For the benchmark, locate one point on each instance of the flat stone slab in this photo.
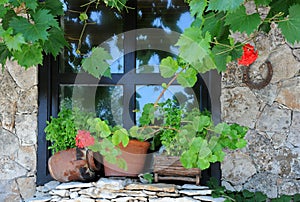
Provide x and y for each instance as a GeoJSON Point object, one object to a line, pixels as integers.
{"type": "Point", "coordinates": [153, 187]}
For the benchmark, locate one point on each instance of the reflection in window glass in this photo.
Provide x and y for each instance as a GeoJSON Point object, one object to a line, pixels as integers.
{"type": "Point", "coordinates": [104, 101]}
{"type": "Point", "coordinates": [170, 16]}
{"type": "Point", "coordinates": [148, 94]}
{"type": "Point", "coordinates": [99, 31]}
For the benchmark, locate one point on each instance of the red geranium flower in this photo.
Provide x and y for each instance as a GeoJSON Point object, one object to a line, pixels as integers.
{"type": "Point", "coordinates": [249, 55]}
{"type": "Point", "coordinates": [84, 139]}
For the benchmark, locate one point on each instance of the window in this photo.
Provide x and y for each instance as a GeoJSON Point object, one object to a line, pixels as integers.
{"type": "Point", "coordinates": [137, 40]}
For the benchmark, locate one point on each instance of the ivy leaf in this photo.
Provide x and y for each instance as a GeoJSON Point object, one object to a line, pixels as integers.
{"type": "Point", "coordinates": [29, 56]}
{"type": "Point", "coordinates": [222, 5]}
{"type": "Point", "coordinates": [292, 25]}
{"type": "Point", "coordinates": [56, 41]}
{"type": "Point", "coordinates": [168, 67]}
{"type": "Point", "coordinates": [262, 2]}
{"type": "Point", "coordinates": [14, 42]}
{"type": "Point", "coordinates": [188, 78]}
{"type": "Point", "coordinates": [188, 158]}
{"type": "Point", "coordinates": [203, 163]}
{"type": "Point", "coordinates": [96, 63]}
{"type": "Point", "coordinates": [197, 7]}
{"type": "Point", "coordinates": [240, 21]}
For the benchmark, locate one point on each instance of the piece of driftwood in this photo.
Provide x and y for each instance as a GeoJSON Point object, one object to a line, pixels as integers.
{"type": "Point", "coordinates": [170, 168]}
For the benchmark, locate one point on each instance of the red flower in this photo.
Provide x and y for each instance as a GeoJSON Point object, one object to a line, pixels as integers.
{"type": "Point", "coordinates": [249, 55]}
{"type": "Point", "coordinates": [84, 139]}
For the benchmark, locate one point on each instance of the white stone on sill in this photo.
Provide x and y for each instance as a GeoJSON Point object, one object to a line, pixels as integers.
{"type": "Point", "coordinates": [152, 187]}
{"type": "Point", "coordinates": [192, 186]}
{"type": "Point", "coordinates": [209, 198]}
{"type": "Point", "coordinates": [74, 195]}
{"type": "Point", "coordinates": [150, 193]}
{"type": "Point", "coordinates": [113, 184]}
{"type": "Point", "coordinates": [99, 193]}
{"type": "Point", "coordinates": [39, 199]}
{"type": "Point", "coordinates": [169, 199]}
{"type": "Point", "coordinates": [72, 185]}
{"type": "Point", "coordinates": [50, 186]}
{"type": "Point", "coordinates": [125, 199]}
{"type": "Point", "coordinates": [191, 192]}
{"type": "Point", "coordinates": [79, 199]}
{"type": "Point", "coordinates": [61, 193]}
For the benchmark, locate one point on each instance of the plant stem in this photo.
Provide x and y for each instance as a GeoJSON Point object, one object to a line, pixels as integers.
{"type": "Point", "coordinates": [165, 89]}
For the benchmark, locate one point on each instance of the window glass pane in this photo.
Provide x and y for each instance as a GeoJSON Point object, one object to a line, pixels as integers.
{"type": "Point", "coordinates": [186, 97]}
{"type": "Point", "coordinates": [172, 17]}
{"type": "Point", "coordinates": [105, 101]}
{"type": "Point", "coordinates": [99, 31]}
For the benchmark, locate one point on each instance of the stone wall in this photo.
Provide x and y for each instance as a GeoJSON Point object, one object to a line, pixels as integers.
{"type": "Point", "coordinates": [271, 161]}
{"type": "Point", "coordinates": [18, 132]}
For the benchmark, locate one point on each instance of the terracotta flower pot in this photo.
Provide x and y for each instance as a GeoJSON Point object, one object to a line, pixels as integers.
{"type": "Point", "coordinates": [74, 165]}
{"type": "Point", "coordinates": [134, 154]}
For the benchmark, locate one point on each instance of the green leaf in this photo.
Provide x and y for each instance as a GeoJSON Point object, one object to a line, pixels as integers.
{"type": "Point", "coordinates": [147, 114]}
{"type": "Point", "coordinates": [3, 10]}
{"type": "Point", "coordinates": [4, 54]}
{"type": "Point", "coordinates": [121, 163]}
{"type": "Point", "coordinates": [37, 30]}
{"type": "Point", "coordinates": [168, 67]}
{"type": "Point", "coordinates": [193, 47]}
{"type": "Point", "coordinates": [240, 21]}
{"type": "Point", "coordinates": [262, 2]}
{"type": "Point", "coordinates": [197, 7]}
{"type": "Point", "coordinates": [54, 6]}
{"type": "Point", "coordinates": [56, 42]}
{"type": "Point", "coordinates": [241, 143]}
{"type": "Point", "coordinates": [31, 4]}
{"type": "Point", "coordinates": [188, 159]}
{"type": "Point", "coordinates": [96, 64]}
{"type": "Point", "coordinates": [224, 54]}
{"type": "Point", "coordinates": [224, 5]}
{"type": "Point", "coordinates": [297, 198]}
{"type": "Point", "coordinates": [119, 136]}
{"type": "Point", "coordinates": [200, 122]}
{"type": "Point", "coordinates": [30, 55]}
{"type": "Point", "coordinates": [291, 25]}
{"type": "Point", "coordinates": [14, 42]}
{"type": "Point", "coordinates": [187, 78]}
{"type": "Point", "coordinates": [203, 163]}
{"type": "Point", "coordinates": [83, 17]}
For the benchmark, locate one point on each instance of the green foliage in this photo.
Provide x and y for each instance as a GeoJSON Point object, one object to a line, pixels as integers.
{"type": "Point", "coordinates": [61, 131]}
{"type": "Point", "coordinates": [27, 31]}
{"type": "Point", "coordinates": [192, 135]}
{"type": "Point", "coordinates": [291, 25]}
{"type": "Point", "coordinates": [245, 195]}
{"type": "Point", "coordinates": [96, 64]}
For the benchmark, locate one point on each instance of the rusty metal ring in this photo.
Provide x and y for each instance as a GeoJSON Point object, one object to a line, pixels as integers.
{"type": "Point", "coordinates": [262, 84]}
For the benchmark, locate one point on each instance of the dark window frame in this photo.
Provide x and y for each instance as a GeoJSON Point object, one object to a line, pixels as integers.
{"type": "Point", "coordinates": [50, 79]}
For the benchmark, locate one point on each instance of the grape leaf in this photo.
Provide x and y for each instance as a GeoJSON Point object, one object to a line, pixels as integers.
{"type": "Point", "coordinates": [193, 47]}
{"type": "Point", "coordinates": [197, 7]}
{"type": "Point", "coordinates": [4, 54]}
{"type": "Point", "coordinates": [29, 56]}
{"type": "Point", "coordinates": [96, 63]}
{"type": "Point", "coordinates": [37, 30]}
{"type": "Point", "coordinates": [3, 11]}
{"type": "Point", "coordinates": [55, 43]}
{"type": "Point", "coordinates": [54, 6]}
{"type": "Point", "coordinates": [168, 67]}
{"type": "Point", "coordinates": [262, 2]}
{"type": "Point", "coordinates": [240, 21]}
{"type": "Point", "coordinates": [292, 25]}
{"type": "Point", "coordinates": [187, 78]}
{"type": "Point", "coordinates": [4, 1]}
{"type": "Point", "coordinates": [224, 54]}
{"type": "Point", "coordinates": [31, 4]}
{"type": "Point", "coordinates": [224, 5]}
{"type": "Point", "coordinates": [14, 42]}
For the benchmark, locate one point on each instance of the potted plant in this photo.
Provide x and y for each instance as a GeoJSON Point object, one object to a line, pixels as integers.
{"type": "Point", "coordinates": [190, 139]}
{"type": "Point", "coordinates": [68, 162]}
{"type": "Point", "coordinates": [123, 151]}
